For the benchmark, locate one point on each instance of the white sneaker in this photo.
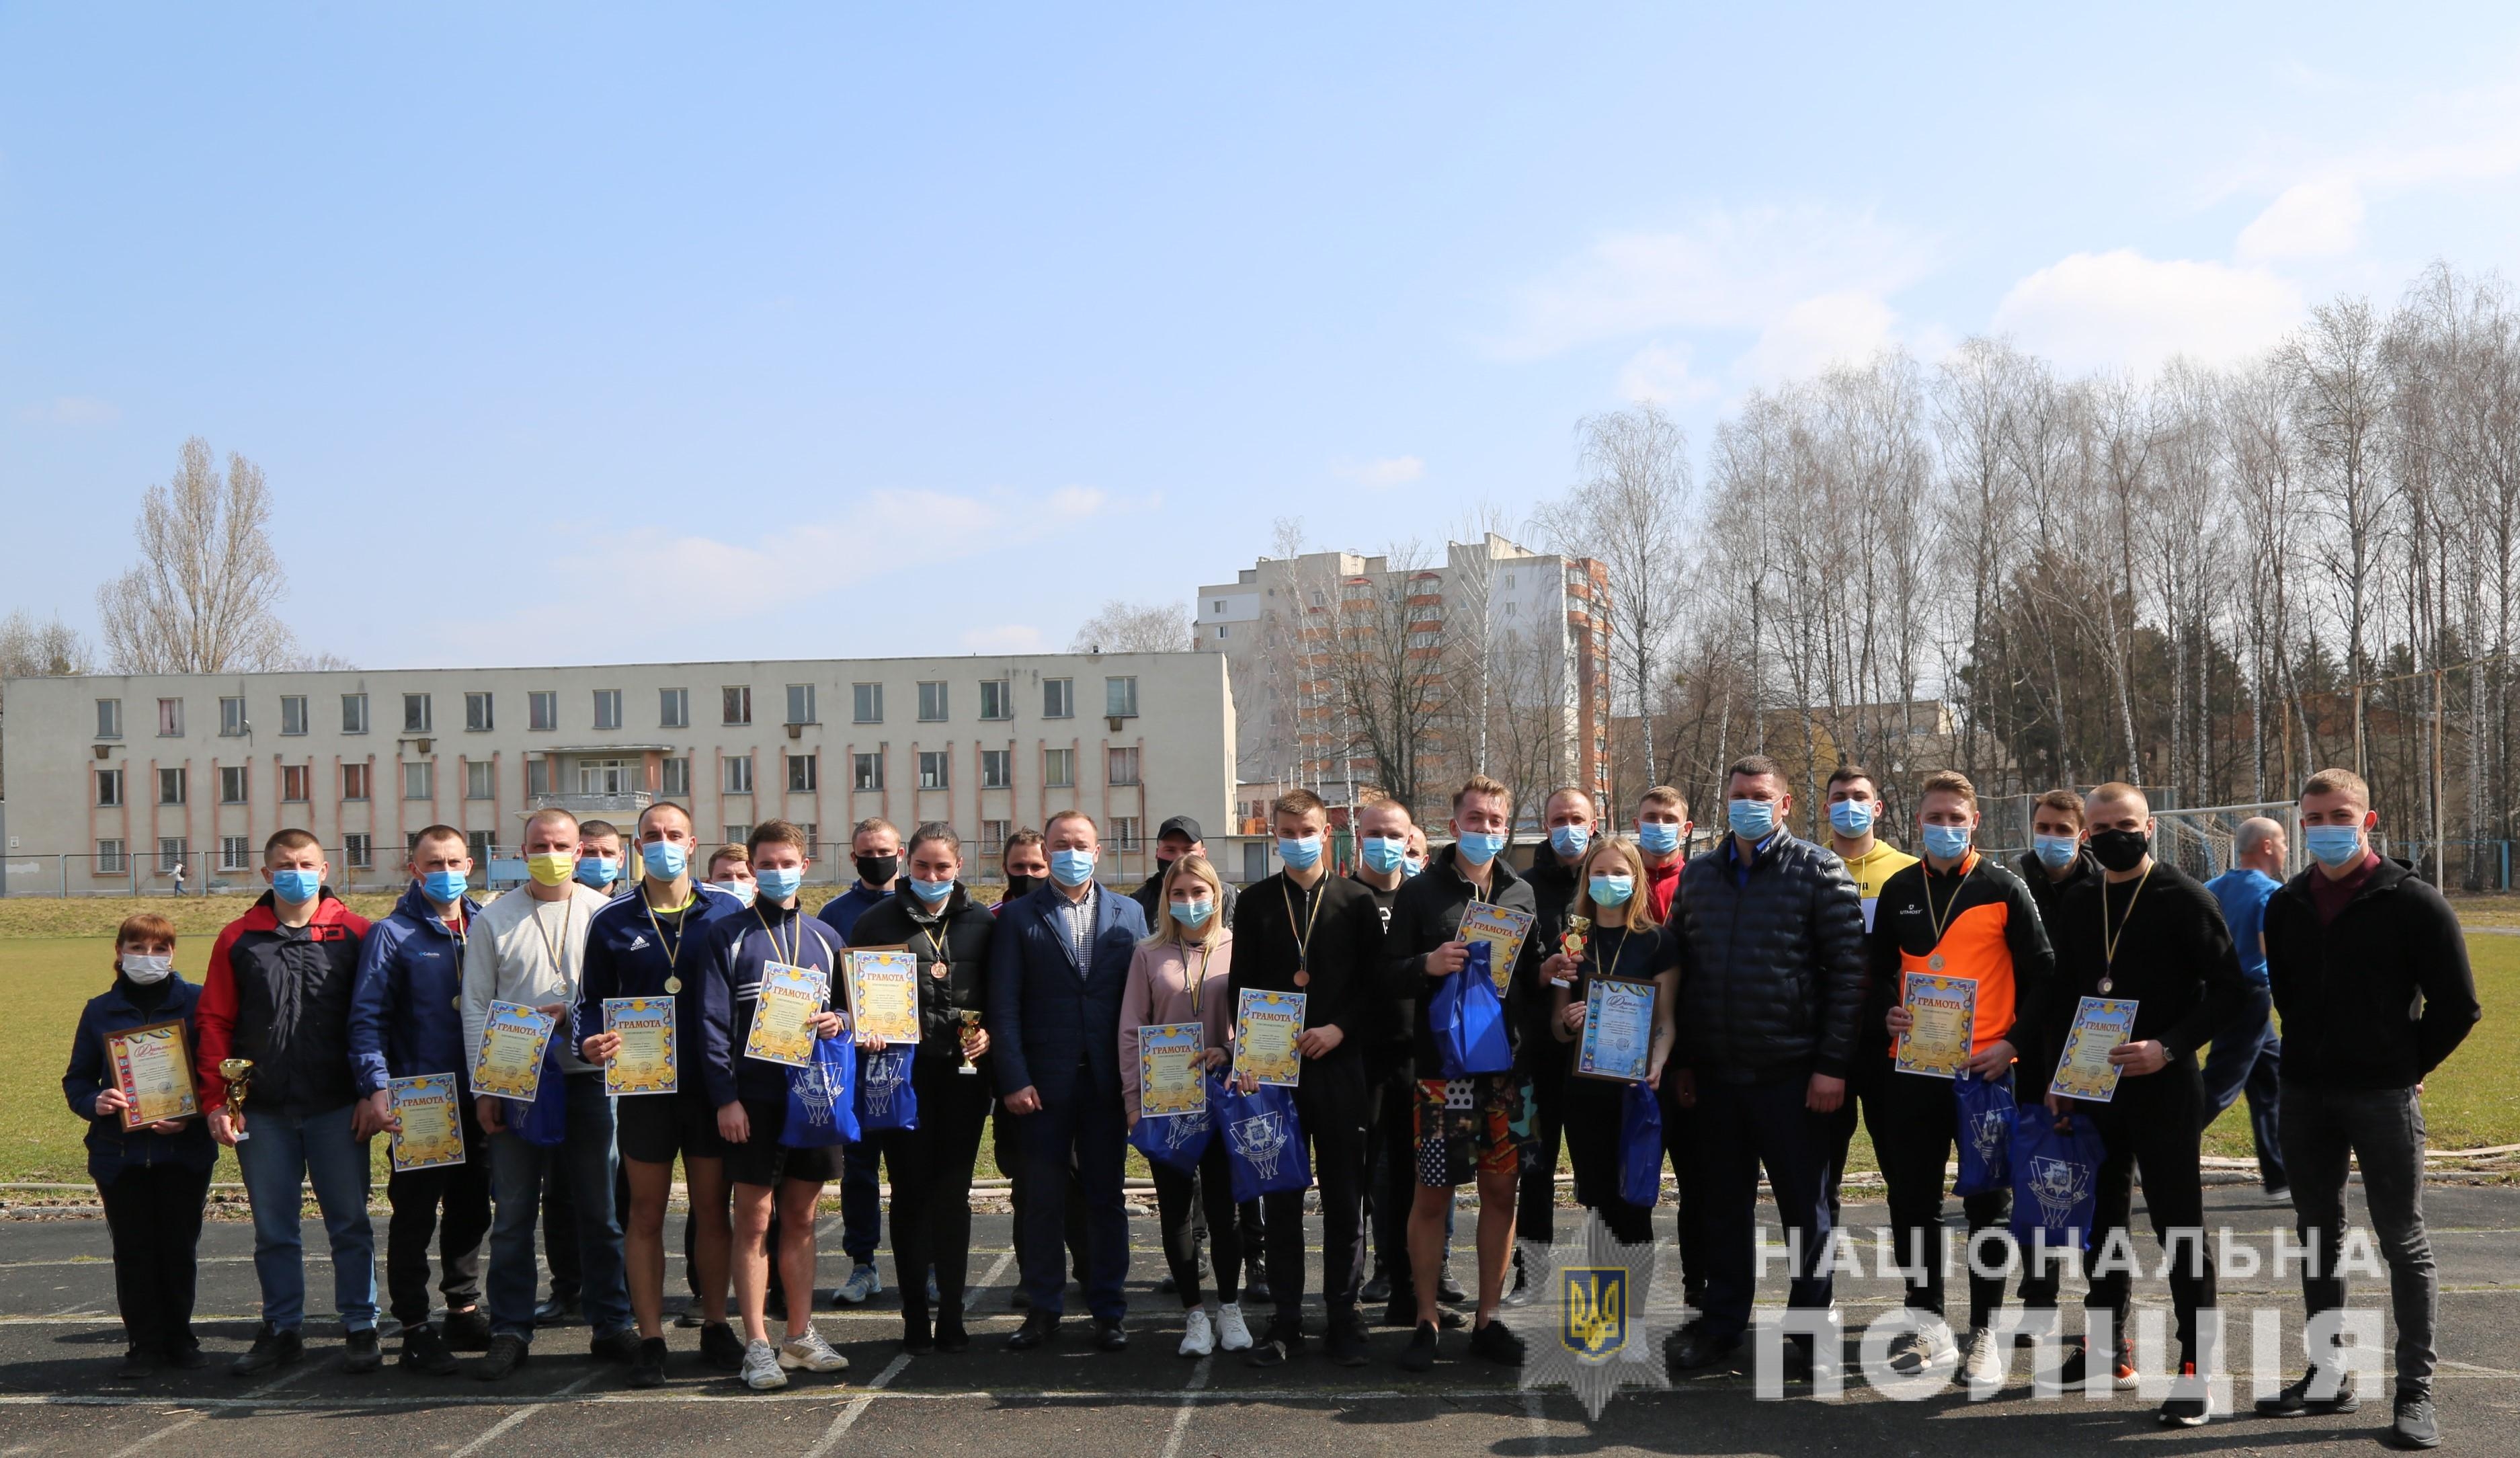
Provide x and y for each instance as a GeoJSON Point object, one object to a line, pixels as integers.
{"type": "Point", "coordinates": [1199, 1335]}
{"type": "Point", "coordinates": [1929, 1346]}
{"type": "Point", "coordinates": [761, 1367]}
{"type": "Point", "coordinates": [1230, 1333]}
{"type": "Point", "coordinates": [1984, 1368]}
{"type": "Point", "coordinates": [863, 1283]}
{"type": "Point", "coordinates": [811, 1354]}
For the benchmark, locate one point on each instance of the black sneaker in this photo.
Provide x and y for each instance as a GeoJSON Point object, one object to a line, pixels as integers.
{"type": "Point", "coordinates": [1696, 1345]}
{"type": "Point", "coordinates": [2415, 1426]}
{"type": "Point", "coordinates": [508, 1351]}
{"type": "Point", "coordinates": [466, 1331]}
{"type": "Point", "coordinates": [2185, 1407]}
{"type": "Point", "coordinates": [690, 1320]}
{"type": "Point", "coordinates": [1450, 1289]}
{"type": "Point", "coordinates": [137, 1365]}
{"type": "Point", "coordinates": [1255, 1290]}
{"type": "Point", "coordinates": [2296, 1401]}
{"type": "Point", "coordinates": [951, 1336]}
{"type": "Point", "coordinates": [425, 1351]}
{"type": "Point", "coordinates": [2122, 1373]}
{"type": "Point", "coordinates": [360, 1356]}
{"type": "Point", "coordinates": [1376, 1290]}
{"type": "Point", "coordinates": [271, 1351]}
{"type": "Point", "coordinates": [648, 1367]}
{"type": "Point", "coordinates": [1346, 1342]}
{"type": "Point", "coordinates": [1496, 1344]}
{"type": "Point", "coordinates": [188, 1357]}
{"type": "Point", "coordinates": [721, 1347]}
{"type": "Point", "coordinates": [620, 1346]}
{"type": "Point", "coordinates": [1420, 1354]}
{"type": "Point", "coordinates": [1277, 1346]}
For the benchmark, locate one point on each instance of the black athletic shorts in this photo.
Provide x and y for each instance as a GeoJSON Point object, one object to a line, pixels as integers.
{"type": "Point", "coordinates": [654, 1128]}
{"type": "Point", "coordinates": [763, 1161]}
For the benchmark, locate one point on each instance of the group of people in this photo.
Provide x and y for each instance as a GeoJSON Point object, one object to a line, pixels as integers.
{"type": "Point", "coordinates": [1777, 966]}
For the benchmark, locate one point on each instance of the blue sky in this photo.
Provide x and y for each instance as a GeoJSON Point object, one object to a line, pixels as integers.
{"type": "Point", "coordinates": [824, 330]}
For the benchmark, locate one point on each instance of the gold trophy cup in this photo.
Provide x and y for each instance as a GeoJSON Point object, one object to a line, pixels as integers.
{"type": "Point", "coordinates": [239, 1073]}
{"type": "Point", "coordinates": [971, 1025]}
{"type": "Point", "coordinates": [1572, 942]}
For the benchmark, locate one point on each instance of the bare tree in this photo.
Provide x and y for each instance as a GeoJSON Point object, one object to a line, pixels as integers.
{"type": "Point", "coordinates": [203, 598]}
{"type": "Point", "coordinates": [1136, 627]}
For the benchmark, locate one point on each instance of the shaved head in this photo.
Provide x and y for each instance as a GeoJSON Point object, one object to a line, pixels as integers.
{"type": "Point", "coordinates": [2254, 831]}
{"type": "Point", "coordinates": [2123, 799]}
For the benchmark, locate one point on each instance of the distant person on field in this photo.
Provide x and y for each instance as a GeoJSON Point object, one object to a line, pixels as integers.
{"type": "Point", "coordinates": [2249, 1054]}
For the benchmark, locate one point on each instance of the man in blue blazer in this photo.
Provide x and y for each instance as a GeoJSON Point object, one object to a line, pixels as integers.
{"type": "Point", "coordinates": [1056, 968]}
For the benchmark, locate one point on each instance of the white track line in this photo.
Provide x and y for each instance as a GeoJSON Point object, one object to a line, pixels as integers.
{"type": "Point", "coordinates": [171, 1428]}
{"type": "Point", "coordinates": [1198, 1376]}
{"type": "Point", "coordinates": [504, 1425]}
{"type": "Point", "coordinates": [847, 1416]}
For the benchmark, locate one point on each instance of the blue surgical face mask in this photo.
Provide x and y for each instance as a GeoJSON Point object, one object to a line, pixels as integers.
{"type": "Point", "coordinates": [2057, 852]}
{"type": "Point", "coordinates": [1569, 841]}
{"type": "Point", "coordinates": [1072, 867]}
{"type": "Point", "coordinates": [1946, 841]}
{"type": "Point", "coordinates": [1851, 817]}
{"type": "Point", "coordinates": [444, 887]}
{"type": "Point", "coordinates": [931, 891]}
{"type": "Point", "coordinates": [664, 859]}
{"type": "Point", "coordinates": [1194, 914]}
{"type": "Point", "coordinates": [778, 882]}
{"type": "Point", "coordinates": [1660, 837]}
{"type": "Point", "coordinates": [1751, 819]}
{"type": "Point", "coordinates": [598, 871]}
{"type": "Point", "coordinates": [2332, 846]}
{"type": "Point", "coordinates": [1478, 846]}
{"type": "Point", "coordinates": [1383, 854]}
{"type": "Point", "coordinates": [741, 890]}
{"type": "Point", "coordinates": [296, 886]}
{"type": "Point", "coordinates": [1299, 852]}
{"type": "Point", "coordinates": [1610, 890]}
{"type": "Point", "coordinates": [1411, 865]}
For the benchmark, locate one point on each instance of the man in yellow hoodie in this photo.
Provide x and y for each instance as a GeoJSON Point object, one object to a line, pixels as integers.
{"type": "Point", "coordinates": [1854, 808]}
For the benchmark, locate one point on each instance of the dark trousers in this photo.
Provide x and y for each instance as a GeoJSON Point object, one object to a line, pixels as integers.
{"type": "Point", "coordinates": [2248, 1056]}
{"type": "Point", "coordinates": [1006, 1130]}
{"type": "Point", "coordinates": [1330, 1102]}
{"type": "Point", "coordinates": [1679, 1141]}
{"type": "Point", "coordinates": [2383, 1129]}
{"type": "Point", "coordinates": [1390, 1180]}
{"type": "Point", "coordinates": [1536, 1196]}
{"type": "Point", "coordinates": [1591, 1111]}
{"type": "Point", "coordinates": [1915, 1121]}
{"type": "Point", "coordinates": [932, 1186]}
{"type": "Point", "coordinates": [1082, 1134]}
{"type": "Point", "coordinates": [153, 1214]}
{"type": "Point", "coordinates": [449, 1206]}
{"type": "Point", "coordinates": [1740, 1129]}
{"type": "Point", "coordinates": [862, 1205]}
{"type": "Point", "coordinates": [2151, 1131]}
{"type": "Point", "coordinates": [1837, 1130]}
{"type": "Point", "coordinates": [559, 1232]}
{"type": "Point", "coordinates": [1180, 1197]}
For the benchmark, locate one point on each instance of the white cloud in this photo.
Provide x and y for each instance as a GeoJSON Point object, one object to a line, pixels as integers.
{"type": "Point", "coordinates": [1812, 334]}
{"type": "Point", "coordinates": [72, 410]}
{"type": "Point", "coordinates": [2310, 220]}
{"type": "Point", "coordinates": [1007, 637]}
{"type": "Point", "coordinates": [2121, 308]}
{"type": "Point", "coordinates": [1660, 373]}
{"type": "Point", "coordinates": [1390, 470]}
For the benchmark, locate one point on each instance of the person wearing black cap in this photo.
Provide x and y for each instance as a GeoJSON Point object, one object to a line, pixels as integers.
{"type": "Point", "coordinates": [1177, 838]}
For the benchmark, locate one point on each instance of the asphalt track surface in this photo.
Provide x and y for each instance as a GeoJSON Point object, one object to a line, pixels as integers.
{"type": "Point", "coordinates": [59, 1342]}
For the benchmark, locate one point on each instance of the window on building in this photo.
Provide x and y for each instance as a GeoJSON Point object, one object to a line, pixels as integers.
{"type": "Point", "coordinates": [1120, 766]}
{"type": "Point", "coordinates": [737, 702]}
{"type": "Point", "coordinates": [673, 709]}
{"type": "Point", "coordinates": [1120, 697]}
{"type": "Point", "coordinates": [296, 783]}
{"type": "Point", "coordinates": [108, 718]}
{"type": "Point", "coordinates": [1059, 698]}
{"type": "Point", "coordinates": [993, 836]}
{"type": "Point", "coordinates": [109, 788]}
{"type": "Point", "coordinates": [866, 771]}
{"type": "Point", "coordinates": [416, 715]}
{"type": "Point", "coordinates": [479, 842]}
{"type": "Point", "coordinates": [354, 713]}
{"type": "Point", "coordinates": [674, 775]}
{"type": "Point", "coordinates": [737, 834]}
{"type": "Point", "coordinates": [801, 774]}
{"type": "Point", "coordinates": [418, 779]}
{"type": "Point", "coordinates": [932, 771]}
{"type": "Point", "coordinates": [997, 702]}
{"type": "Point", "coordinates": [170, 786]}
{"type": "Point", "coordinates": [608, 708]}
{"type": "Point", "coordinates": [931, 701]}
{"type": "Point", "coordinates": [800, 704]}
{"type": "Point", "coordinates": [537, 777]}
{"type": "Point", "coordinates": [865, 703]}
{"type": "Point", "coordinates": [1126, 831]}
{"type": "Point", "coordinates": [1058, 769]}
{"type": "Point", "coordinates": [236, 853]}
{"type": "Point", "coordinates": [171, 853]}
{"type": "Point", "coordinates": [354, 782]}
{"type": "Point", "coordinates": [360, 850]}
{"type": "Point", "coordinates": [171, 719]}
{"type": "Point", "coordinates": [542, 710]}
{"type": "Point", "coordinates": [232, 785]}
{"type": "Point", "coordinates": [476, 713]}
{"type": "Point", "coordinates": [481, 780]}
{"type": "Point", "coordinates": [1220, 630]}
{"type": "Point", "coordinates": [109, 858]}
{"type": "Point", "coordinates": [997, 768]}
{"type": "Point", "coordinates": [739, 775]}
{"type": "Point", "coordinates": [293, 713]}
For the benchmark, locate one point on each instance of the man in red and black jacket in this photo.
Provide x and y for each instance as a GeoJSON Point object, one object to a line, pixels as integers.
{"type": "Point", "coordinates": [277, 994]}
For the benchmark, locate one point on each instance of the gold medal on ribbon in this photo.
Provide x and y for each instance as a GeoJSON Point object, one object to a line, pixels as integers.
{"type": "Point", "coordinates": [673, 984]}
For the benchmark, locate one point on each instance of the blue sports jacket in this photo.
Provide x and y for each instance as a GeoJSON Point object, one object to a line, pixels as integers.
{"type": "Point", "coordinates": [407, 1006]}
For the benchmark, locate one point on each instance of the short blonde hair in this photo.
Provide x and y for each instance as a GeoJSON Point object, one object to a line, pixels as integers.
{"type": "Point", "coordinates": [2338, 782]}
{"type": "Point", "coordinates": [1948, 782]}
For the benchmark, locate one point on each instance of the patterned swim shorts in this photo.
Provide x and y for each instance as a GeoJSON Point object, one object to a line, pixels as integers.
{"type": "Point", "coordinates": [1469, 1126]}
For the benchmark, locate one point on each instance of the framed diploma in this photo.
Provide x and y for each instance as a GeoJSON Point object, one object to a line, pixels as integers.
{"type": "Point", "coordinates": [1265, 1028]}
{"type": "Point", "coordinates": [645, 1061]}
{"type": "Point", "coordinates": [1618, 1030]}
{"type": "Point", "coordinates": [783, 1021]}
{"type": "Point", "coordinates": [1501, 927]}
{"type": "Point", "coordinates": [153, 1072]}
{"type": "Point", "coordinates": [883, 992]}
{"type": "Point", "coordinates": [1946, 1013]}
{"type": "Point", "coordinates": [433, 1124]}
{"type": "Point", "coordinates": [510, 1065]}
{"type": "Point", "coordinates": [2084, 1070]}
{"type": "Point", "coordinates": [1172, 1069]}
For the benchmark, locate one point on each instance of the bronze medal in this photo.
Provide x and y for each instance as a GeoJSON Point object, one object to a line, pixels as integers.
{"type": "Point", "coordinates": [673, 984]}
{"type": "Point", "coordinates": [1303, 979]}
{"type": "Point", "coordinates": [937, 970]}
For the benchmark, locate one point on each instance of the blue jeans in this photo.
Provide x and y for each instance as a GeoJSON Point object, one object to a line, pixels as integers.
{"type": "Point", "coordinates": [285, 1154]}
{"type": "Point", "coordinates": [2249, 1055]}
{"type": "Point", "coordinates": [1088, 1132]}
{"type": "Point", "coordinates": [1739, 1129]}
{"type": "Point", "coordinates": [516, 1185]}
{"type": "Point", "coordinates": [861, 1202]}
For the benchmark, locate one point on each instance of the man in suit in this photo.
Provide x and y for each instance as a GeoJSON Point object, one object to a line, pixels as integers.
{"type": "Point", "coordinates": [1057, 969]}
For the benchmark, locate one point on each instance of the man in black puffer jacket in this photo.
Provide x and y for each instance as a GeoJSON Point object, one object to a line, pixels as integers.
{"type": "Point", "coordinates": [1768, 1009]}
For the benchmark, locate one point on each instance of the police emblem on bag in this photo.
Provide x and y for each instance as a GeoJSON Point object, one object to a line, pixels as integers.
{"type": "Point", "coordinates": [2060, 1185]}
{"type": "Point", "coordinates": [1594, 1326]}
{"type": "Point", "coordinates": [1260, 1139]}
{"type": "Point", "coordinates": [1989, 1132]}
{"type": "Point", "coordinates": [1181, 1128]}
{"type": "Point", "coordinates": [812, 1086]}
{"type": "Point", "coordinates": [881, 1077]}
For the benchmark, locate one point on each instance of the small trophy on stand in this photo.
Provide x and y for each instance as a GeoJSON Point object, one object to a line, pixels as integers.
{"type": "Point", "coordinates": [239, 1073]}
{"type": "Point", "coordinates": [1571, 942]}
{"type": "Point", "coordinates": [971, 1025]}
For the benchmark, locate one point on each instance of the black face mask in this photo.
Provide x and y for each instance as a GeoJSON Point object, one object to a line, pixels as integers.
{"type": "Point", "coordinates": [878, 870]}
{"type": "Point", "coordinates": [1024, 886]}
{"type": "Point", "coordinates": [2120, 849]}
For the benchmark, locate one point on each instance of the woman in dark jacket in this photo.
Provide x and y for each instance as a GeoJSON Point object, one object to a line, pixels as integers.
{"type": "Point", "coordinates": [155, 1178]}
{"type": "Point", "coordinates": [933, 915]}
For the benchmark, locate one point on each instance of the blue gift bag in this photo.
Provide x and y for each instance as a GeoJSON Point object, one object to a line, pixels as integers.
{"type": "Point", "coordinates": [1177, 1140]}
{"type": "Point", "coordinates": [2055, 1178]}
{"type": "Point", "coordinates": [1985, 1133]}
{"type": "Point", "coordinates": [820, 1114]}
{"type": "Point", "coordinates": [1264, 1140]}
{"type": "Point", "coordinates": [544, 1123]}
{"type": "Point", "coordinates": [885, 1099]}
{"type": "Point", "coordinates": [1640, 1145]}
{"type": "Point", "coordinates": [1469, 1020]}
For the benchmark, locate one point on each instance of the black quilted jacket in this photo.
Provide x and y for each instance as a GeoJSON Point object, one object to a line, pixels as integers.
{"type": "Point", "coordinates": [1774, 969]}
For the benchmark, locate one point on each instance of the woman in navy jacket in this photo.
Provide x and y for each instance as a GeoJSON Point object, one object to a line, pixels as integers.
{"type": "Point", "coordinates": [156, 1178]}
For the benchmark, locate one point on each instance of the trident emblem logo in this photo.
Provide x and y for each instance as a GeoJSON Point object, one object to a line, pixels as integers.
{"type": "Point", "coordinates": [1596, 1324]}
{"type": "Point", "coordinates": [812, 1085]}
{"type": "Point", "coordinates": [1181, 1128]}
{"type": "Point", "coordinates": [881, 1077]}
{"type": "Point", "coordinates": [2060, 1185]}
{"type": "Point", "coordinates": [1989, 1131]}
{"type": "Point", "coordinates": [1261, 1139]}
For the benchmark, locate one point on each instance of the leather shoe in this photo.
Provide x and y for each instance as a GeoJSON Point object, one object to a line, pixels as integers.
{"type": "Point", "coordinates": [1110, 1336]}
{"type": "Point", "coordinates": [1694, 1346]}
{"type": "Point", "coordinates": [555, 1310]}
{"type": "Point", "coordinates": [1039, 1329]}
